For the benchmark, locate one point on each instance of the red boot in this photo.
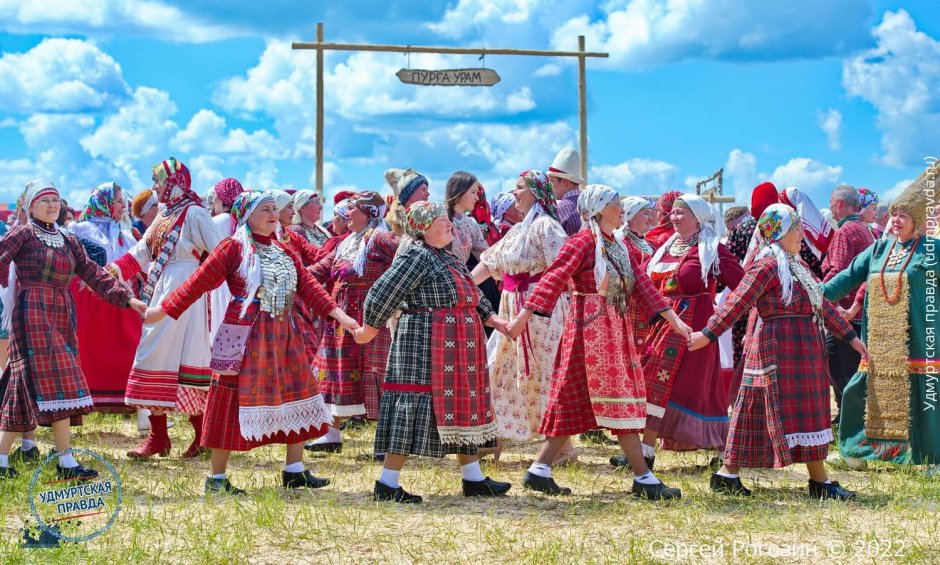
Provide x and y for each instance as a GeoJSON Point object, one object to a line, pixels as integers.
{"type": "Point", "coordinates": [158, 441]}
{"type": "Point", "coordinates": [194, 449]}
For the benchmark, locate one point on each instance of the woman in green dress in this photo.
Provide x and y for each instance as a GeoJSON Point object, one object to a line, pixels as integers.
{"type": "Point", "coordinates": [891, 408]}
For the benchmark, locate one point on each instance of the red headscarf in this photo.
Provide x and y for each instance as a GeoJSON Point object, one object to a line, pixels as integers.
{"type": "Point", "coordinates": [481, 213]}
{"type": "Point", "coordinates": [763, 196]}
{"type": "Point", "coordinates": [659, 234]}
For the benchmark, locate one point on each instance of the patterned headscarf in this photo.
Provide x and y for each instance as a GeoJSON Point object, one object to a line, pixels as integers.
{"type": "Point", "coordinates": [632, 205]}
{"type": "Point", "coordinates": [422, 215]}
{"type": "Point", "coordinates": [609, 256]}
{"type": "Point", "coordinates": [227, 189]}
{"type": "Point", "coordinates": [301, 198]}
{"type": "Point", "coordinates": [341, 208]}
{"type": "Point", "coordinates": [176, 181]}
{"type": "Point", "coordinates": [817, 231]}
{"type": "Point", "coordinates": [541, 188]}
{"type": "Point", "coordinates": [500, 204]}
{"type": "Point", "coordinates": [776, 221]}
{"type": "Point", "coordinates": [711, 230]}
{"type": "Point", "coordinates": [99, 203]}
{"type": "Point", "coordinates": [250, 267]}
{"type": "Point", "coordinates": [868, 197]}
{"type": "Point", "coordinates": [356, 246]}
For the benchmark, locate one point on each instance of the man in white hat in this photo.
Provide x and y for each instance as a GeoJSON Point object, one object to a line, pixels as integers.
{"type": "Point", "coordinates": [565, 174]}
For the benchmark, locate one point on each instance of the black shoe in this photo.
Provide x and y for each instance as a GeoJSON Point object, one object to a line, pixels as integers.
{"type": "Point", "coordinates": [7, 473]}
{"type": "Point", "coordinates": [486, 487]}
{"type": "Point", "coordinates": [727, 485]}
{"type": "Point", "coordinates": [715, 464]}
{"type": "Point", "coordinates": [79, 473]}
{"type": "Point", "coordinates": [597, 436]}
{"type": "Point", "coordinates": [659, 491]}
{"type": "Point", "coordinates": [545, 485]}
{"type": "Point", "coordinates": [622, 461]}
{"type": "Point", "coordinates": [385, 492]}
{"type": "Point", "coordinates": [829, 490]}
{"type": "Point", "coordinates": [332, 447]}
{"type": "Point", "coordinates": [26, 455]}
{"type": "Point", "coordinates": [302, 480]}
{"type": "Point", "coordinates": [222, 486]}
{"type": "Point", "coordinates": [380, 457]}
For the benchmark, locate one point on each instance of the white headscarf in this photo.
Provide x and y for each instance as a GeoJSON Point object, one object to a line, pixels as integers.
{"type": "Point", "coordinates": [711, 230]}
{"type": "Point", "coordinates": [817, 231]}
{"type": "Point", "coordinates": [592, 200]}
{"type": "Point", "coordinates": [632, 205]}
{"type": "Point", "coordinates": [281, 198]}
{"type": "Point", "coordinates": [301, 197]}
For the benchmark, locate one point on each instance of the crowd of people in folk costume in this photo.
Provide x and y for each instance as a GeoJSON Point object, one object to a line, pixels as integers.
{"type": "Point", "coordinates": [552, 311]}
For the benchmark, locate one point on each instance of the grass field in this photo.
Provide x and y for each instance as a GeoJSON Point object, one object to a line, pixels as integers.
{"type": "Point", "coordinates": [165, 518]}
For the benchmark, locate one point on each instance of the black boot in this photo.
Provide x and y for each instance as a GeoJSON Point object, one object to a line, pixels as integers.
{"type": "Point", "coordinates": [486, 487]}
{"type": "Point", "coordinates": [77, 473]}
{"type": "Point", "coordinates": [622, 461]}
{"type": "Point", "coordinates": [26, 455]}
{"type": "Point", "coordinates": [7, 473]}
{"type": "Point", "coordinates": [332, 447]}
{"type": "Point", "coordinates": [384, 492]}
{"type": "Point", "coordinates": [831, 490]}
{"type": "Point", "coordinates": [302, 480]}
{"type": "Point", "coordinates": [221, 486]}
{"type": "Point", "coordinates": [728, 485]}
{"type": "Point", "coordinates": [546, 485]}
{"type": "Point", "coordinates": [659, 491]}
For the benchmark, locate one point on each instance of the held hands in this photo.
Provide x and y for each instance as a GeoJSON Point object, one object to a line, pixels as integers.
{"type": "Point", "coordinates": [683, 329]}
{"type": "Point", "coordinates": [499, 325]}
{"type": "Point", "coordinates": [698, 340]}
{"type": "Point", "coordinates": [137, 306]}
{"type": "Point", "coordinates": [365, 334]}
{"type": "Point", "coordinates": [859, 347]}
{"type": "Point", "coordinates": [348, 324]}
{"type": "Point", "coordinates": [154, 315]}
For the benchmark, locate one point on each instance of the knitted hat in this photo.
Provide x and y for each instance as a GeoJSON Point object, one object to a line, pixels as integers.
{"type": "Point", "coordinates": [914, 198]}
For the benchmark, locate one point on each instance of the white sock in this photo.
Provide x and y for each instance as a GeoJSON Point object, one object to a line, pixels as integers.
{"type": "Point", "coordinates": [828, 482]}
{"type": "Point", "coordinates": [28, 444]}
{"type": "Point", "coordinates": [648, 450]}
{"type": "Point", "coordinates": [5, 460]}
{"type": "Point", "coordinates": [541, 470]}
{"type": "Point", "coordinates": [647, 478]}
{"type": "Point", "coordinates": [333, 435]}
{"type": "Point", "coordinates": [389, 477]}
{"type": "Point", "coordinates": [219, 476]}
{"type": "Point", "coordinates": [66, 461]}
{"type": "Point", "coordinates": [297, 467]}
{"type": "Point", "coordinates": [472, 472]}
{"type": "Point", "coordinates": [727, 475]}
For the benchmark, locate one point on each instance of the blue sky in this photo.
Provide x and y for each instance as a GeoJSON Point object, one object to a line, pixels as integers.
{"type": "Point", "coordinates": [804, 93]}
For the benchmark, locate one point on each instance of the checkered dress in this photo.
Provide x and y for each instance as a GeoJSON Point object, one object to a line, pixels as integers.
{"type": "Point", "coordinates": [419, 279]}
{"type": "Point", "coordinates": [350, 374]}
{"type": "Point", "coordinates": [850, 240]}
{"type": "Point", "coordinates": [781, 414]}
{"type": "Point", "coordinates": [44, 382]}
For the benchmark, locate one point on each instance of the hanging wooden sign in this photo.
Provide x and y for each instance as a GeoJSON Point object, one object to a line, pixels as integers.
{"type": "Point", "coordinates": [449, 77]}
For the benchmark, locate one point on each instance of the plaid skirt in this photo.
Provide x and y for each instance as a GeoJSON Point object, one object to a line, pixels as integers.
{"type": "Point", "coordinates": [43, 367]}
{"type": "Point", "coordinates": [351, 375]}
{"type": "Point", "coordinates": [570, 410]}
{"type": "Point", "coordinates": [271, 378]}
{"type": "Point", "coordinates": [782, 414]}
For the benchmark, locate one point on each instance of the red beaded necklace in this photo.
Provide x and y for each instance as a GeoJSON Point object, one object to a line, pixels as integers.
{"type": "Point", "coordinates": [884, 291]}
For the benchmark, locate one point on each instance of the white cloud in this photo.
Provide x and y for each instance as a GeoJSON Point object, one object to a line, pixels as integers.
{"type": "Point", "coordinates": [206, 171]}
{"type": "Point", "coordinates": [638, 176]}
{"type": "Point", "coordinates": [741, 174]}
{"type": "Point", "coordinates": [647, 33]}
{"type": "Point", "coordinates": [108, 17]}
{"type": "Point", "coordinates": [208, 132]}
{"type": "Point", "coordinates": [60, 75]}
{"type": "Point", "coordinates": [807, 174]}
{"type": "Point", "coordinates": [262, 175]}
{"type": "Point", "coordinates": [895, 190]}
{"type": "Point", "coordinates": [547, 70]}
{"type": "Point", "coordinates": [901, 78]}
{"type": "Point", "coordinates": [470, 15]}
{"type": "Point", "coordinates": [831, 124]}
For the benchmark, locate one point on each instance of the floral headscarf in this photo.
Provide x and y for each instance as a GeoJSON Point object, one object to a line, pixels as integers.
{"type": "Point", "coordinates": [227, 189]}
{"type": "Point", "coordinates": [500, 204]}
{"type": "Point", "coordinates": [541, 188]}
{"type": "Point", "coordinates": [370, 203]}
{"type": "Point", "coordinates": [868, 197]}
{"type": "Point", "coordinates": [421, 215]}
{"type": "Point", "coordinates": [250, 267]}
{"type": "Point", "coordinates": [776, 221]}
{"type": "Point", "coordinates": [98, 209]}
{"type": "Point", "coordinates": [173, 176]}
{"type": "Point", "coordinates": [356, 246]}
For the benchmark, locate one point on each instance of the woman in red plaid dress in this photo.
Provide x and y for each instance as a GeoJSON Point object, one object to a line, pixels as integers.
{"type": "Point", "coordinates": [687, 402]}
{"type": "Point", "coordinates": [781, 415]}
{"type": "Point", "coordinates": [263, 391]}
{"type": "Point", "coordinates": [350, 374]}
{"type": "Point", "coordinates": [598, 382]}
{"type": "Point", "coordinates": [44, 384]}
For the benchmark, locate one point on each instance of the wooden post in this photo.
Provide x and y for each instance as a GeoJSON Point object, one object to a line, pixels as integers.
{"type": "Point", "coordinates": [582, 107]}
{"type": "Point", "coordinates": [319, 167]}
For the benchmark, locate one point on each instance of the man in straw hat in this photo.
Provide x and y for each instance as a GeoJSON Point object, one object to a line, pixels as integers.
{"type": "Point", "coordinates": [565, 176]}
